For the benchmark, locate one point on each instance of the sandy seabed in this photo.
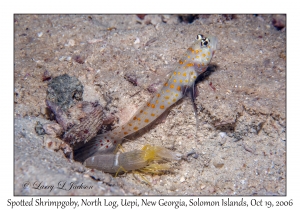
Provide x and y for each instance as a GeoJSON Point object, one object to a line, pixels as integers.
{"type": "Point", "coordinates": [240, 147]}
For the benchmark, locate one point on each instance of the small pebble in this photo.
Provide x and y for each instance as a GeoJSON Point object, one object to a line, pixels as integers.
{"type": "Point", "coordinates": [195, 156]}
{"type": "Point", "coordinates": [40, 34]}
{"type": "Point", "coordinates": [43, 110]}
{"type": "Point", "coordinates": [53, 129]}
{"type": "Point", "coordinates": [39, 128]}
{"type": "Point", "coordinates": [182, 179]}
{"type": "Point", "coordinates": [46, 76]}
{"type": "Point", "coordinates": [218, 162]}
{"type": "Point", "coordinates": [218, 165]}
{"type": "Point", "coordinates": [62, 58]}
{"type": "Point", "coordinates": [222, 134]}
{"type": "Point", "coordinates": [137, 41]}
{"type": "Point", "coordinates": [279, 21]}
{"type": "Point", "coordinates": [165, 18]}
{"type": "Point", "coordinates": [52, 143]}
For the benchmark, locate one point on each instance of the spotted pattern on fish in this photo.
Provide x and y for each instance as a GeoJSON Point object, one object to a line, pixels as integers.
{"type": "Point", "coordinates": [194, 62]}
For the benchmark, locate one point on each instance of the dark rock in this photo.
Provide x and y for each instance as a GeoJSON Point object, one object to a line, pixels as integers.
{"type": "Point", "coordinates": [64, 90]}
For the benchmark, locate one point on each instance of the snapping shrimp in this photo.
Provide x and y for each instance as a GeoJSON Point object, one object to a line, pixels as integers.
{"type": "Point", "coordinates": [146, 160]}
